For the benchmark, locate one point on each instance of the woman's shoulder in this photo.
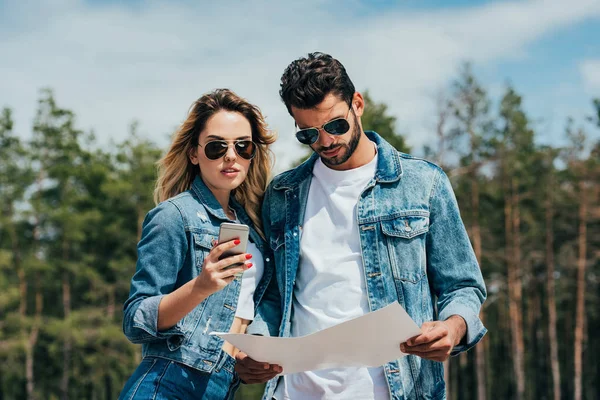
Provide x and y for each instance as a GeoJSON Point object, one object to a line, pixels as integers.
{"type": "Point", "coordinates": [183, 200]}
{"type": "Point", "coordinates": [175, 208]}
{"type": "Point", "coordinates": [164, 213]}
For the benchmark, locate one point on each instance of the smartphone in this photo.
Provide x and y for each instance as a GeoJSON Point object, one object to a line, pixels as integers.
{"type": "Point", "coordinates": [229, 231]}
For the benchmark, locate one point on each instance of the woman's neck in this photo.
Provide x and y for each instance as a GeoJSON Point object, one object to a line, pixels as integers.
{"type": "Point", "coordinates": [222, 197]}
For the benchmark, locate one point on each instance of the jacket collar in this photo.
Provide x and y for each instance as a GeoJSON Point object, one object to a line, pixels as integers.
{"type": "Point", "coordinates": [207, 199]}
{"type": "Point", "coordinates": [389, 166]}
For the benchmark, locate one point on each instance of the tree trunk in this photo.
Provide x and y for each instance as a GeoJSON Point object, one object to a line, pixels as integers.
{"type": "Point", "coordinates": [476, 235]}
{"type": "Point", "coordinates": [580, 310]}
{"type": "Point", "coordinates": [68, 343]}
{"type": "Point", "coordinates": [442, 114]}
{"type": "Point", "coordinates": [518, 294]}
{"type": "Point", "coordinates": [22, 279]}
{"type": "Point", "coordinates": [32, 340]}
{"type": "Point", "coordinates": [512, 226]}
{"type": "Point", "coordinates": [140, 221]}
{"type": "Point", "coordinates": [552, 336]}
{"type": "Point", "coordinates": [39, 302]}
{"type": "Point", "coordinates": [110, 308]}
{"type": "Point", "coordinates": [108, 387]}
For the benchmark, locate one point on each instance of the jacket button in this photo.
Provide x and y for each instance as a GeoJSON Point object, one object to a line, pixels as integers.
{"type": "Point", "coordinates": [408, 229]}
{"type": "Point", "coordinates": [267, 259]}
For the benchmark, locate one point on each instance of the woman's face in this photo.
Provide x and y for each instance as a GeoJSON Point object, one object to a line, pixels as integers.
{"type": "Point", "coordinates": [228, 171]}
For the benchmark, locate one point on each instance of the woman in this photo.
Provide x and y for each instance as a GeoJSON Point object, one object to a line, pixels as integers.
{"type": "Point", "coordinates": [216, 171]}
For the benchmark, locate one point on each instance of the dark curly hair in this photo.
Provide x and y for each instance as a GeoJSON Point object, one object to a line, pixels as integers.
{"type": "Point", "coordinates": [306, 81]}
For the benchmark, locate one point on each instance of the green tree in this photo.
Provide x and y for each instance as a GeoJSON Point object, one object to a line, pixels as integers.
{"type": "Point", "coordinates": [15, 176]}
{"type": "Point", "coordinates": [472, 125]}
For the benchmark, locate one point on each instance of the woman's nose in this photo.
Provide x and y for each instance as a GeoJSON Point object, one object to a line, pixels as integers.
{"type": "Point", "coordinates": [230, 155]}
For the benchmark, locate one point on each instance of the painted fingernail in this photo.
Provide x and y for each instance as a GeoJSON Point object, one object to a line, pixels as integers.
{"type": "Point", "coordinates": [248, 256]}
{"type": "Point", "coordinates": [249, 265]}
{"type": "Point", "coordinates": [236, 241]}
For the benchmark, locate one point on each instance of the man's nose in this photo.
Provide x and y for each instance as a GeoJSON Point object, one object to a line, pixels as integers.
{"type": "Point", "coordinates": [325, 139]}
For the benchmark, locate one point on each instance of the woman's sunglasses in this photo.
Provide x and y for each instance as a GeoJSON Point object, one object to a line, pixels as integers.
{"type": "Point", "coordinates": [336, 127]}
{"type": "Point", "coordinates": [216, 149]}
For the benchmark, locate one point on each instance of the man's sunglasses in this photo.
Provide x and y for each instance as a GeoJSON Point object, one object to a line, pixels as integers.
{"type": "Point", "coordinates": [337, 127]}
{"type": "Point", "coordinates": [216, 149]}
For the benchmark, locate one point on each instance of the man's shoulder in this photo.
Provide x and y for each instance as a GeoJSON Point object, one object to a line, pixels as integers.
{"type": "Point", "coordinates": [419, 168]}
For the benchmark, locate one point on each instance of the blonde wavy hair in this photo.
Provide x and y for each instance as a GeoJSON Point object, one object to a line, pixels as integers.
{"type": "Point", "coordinates": [176, 172]}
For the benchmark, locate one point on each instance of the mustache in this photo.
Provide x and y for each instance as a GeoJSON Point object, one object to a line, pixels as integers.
{"type": "Point", "coordinates": [321, 149]}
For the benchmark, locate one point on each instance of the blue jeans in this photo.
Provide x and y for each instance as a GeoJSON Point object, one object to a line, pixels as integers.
{"type": "Point", "coordinates": [162, 379]}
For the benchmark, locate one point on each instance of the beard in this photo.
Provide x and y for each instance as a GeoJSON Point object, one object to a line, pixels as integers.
{"type": "Point", "coordinates": [347, 149]}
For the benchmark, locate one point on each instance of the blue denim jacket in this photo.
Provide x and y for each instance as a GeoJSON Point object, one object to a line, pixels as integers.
{"type": "Point", "coordinates": [176, 237]}
{"type": "Point", "coordinates": [415, 251]}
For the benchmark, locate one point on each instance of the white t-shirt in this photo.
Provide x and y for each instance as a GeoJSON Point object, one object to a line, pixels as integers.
{"type": "Point", "coordinates": [250, 279]}
{"type": "Point", "coordinates": [330, 283]}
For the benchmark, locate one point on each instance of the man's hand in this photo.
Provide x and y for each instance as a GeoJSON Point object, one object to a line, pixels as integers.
{"type": "Point", "coordinates": [437, 340]}
{"type": "Point", "coordinates": [251, 371]}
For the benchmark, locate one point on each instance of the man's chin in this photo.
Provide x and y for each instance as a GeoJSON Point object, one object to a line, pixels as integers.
{"type": "Point", "coordinates": [333, 161]}
{"type": "Point", "coordinates": [337, 159]}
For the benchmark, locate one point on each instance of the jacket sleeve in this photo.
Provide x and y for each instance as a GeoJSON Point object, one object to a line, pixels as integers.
{"type": "Point", "coordinates": [161, 253]}
{"type": "Point", "coordinates": [268, 314]}
{"type": "Point", "coordinates": [452, 267]}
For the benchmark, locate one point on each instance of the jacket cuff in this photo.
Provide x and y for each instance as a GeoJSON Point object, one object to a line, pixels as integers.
{"type": "Point", "coordinates": [475, 328]}
{"type": "Point", "coordinates": [146, 320]}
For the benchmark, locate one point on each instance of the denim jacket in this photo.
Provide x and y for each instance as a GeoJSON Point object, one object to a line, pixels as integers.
{"type": "Point", "coordinates": [415, 251]}
{"type": "Point", "coordinates": [176, 237]}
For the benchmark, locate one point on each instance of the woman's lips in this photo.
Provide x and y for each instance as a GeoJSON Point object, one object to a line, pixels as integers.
{"type": "Point", "coordinates": [230, 172]}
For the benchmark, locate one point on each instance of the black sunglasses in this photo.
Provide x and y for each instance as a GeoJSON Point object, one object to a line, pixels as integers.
{"type": "Point", "coordinates": [337, 127]}
{"type": "Point", "coordinates": [216, 149]}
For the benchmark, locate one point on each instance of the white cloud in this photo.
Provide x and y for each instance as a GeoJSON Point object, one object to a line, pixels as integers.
{"type": "Point", "coordinates": [590, 72]}
{"type": "Point", "coordinates": [111, 64]}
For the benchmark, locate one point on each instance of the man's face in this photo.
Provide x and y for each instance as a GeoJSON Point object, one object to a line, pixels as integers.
{"type": "Point", "coordinates": [334, 150]}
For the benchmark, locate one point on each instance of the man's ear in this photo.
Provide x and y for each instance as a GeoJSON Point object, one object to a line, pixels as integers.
{"type": "Point", "coordinates": [358, 103]}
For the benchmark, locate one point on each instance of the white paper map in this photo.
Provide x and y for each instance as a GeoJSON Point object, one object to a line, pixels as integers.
{"type": "Point", "coordinates": [367, 341]}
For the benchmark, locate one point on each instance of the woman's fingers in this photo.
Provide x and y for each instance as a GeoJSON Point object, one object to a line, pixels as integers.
{"type": "Point", "coordinates": [231, 261]}
{"type": "Point", "coordinates": [219, 249]}
{"type": "Point", "coordinates": [231, 272]}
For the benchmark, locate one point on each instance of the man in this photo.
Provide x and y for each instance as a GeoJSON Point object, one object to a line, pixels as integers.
{"type": "Point", "coordinates": [356, 227]}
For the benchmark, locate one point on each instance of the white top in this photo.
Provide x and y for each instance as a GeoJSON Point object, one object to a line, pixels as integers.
{"type": "Point", "coordinates": [330, 283]}
{"type": "Point", "coordinates": [250, 279]}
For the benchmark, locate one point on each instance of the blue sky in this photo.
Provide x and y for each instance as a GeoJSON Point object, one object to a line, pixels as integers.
{"type": "Point", "coordinates": [112, 61]}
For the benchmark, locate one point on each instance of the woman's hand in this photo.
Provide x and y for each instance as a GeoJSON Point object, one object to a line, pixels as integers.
{"type": "Point", "coordinates": [213, 276]}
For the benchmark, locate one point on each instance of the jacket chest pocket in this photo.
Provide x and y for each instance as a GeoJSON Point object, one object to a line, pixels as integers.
{"type": "Point", "coordinates": [202, 246]}
{"type": "Point", "coordinates": [404, 238]}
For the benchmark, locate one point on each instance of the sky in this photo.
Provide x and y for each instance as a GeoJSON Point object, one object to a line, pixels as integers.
{"type": "Point", "coordinates": [112, 62]}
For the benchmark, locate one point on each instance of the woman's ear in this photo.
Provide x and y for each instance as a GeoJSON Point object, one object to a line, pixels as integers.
{"type": "Point", "coordinates": [193, 155]}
